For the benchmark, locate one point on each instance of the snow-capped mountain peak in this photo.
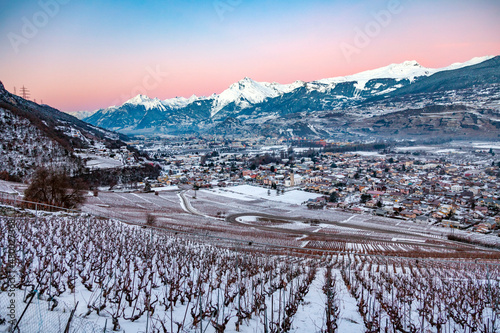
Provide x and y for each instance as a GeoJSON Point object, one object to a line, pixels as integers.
{"type": "Point", "coordinates": [411, 63]}
{"type": "Point", "coordinates": [148, 103]}
{"type": "Point", "coordinates": [180, 102]}
{"type": "Point", "coordinates": [409, 70]}
{"type": "Point", "coordinates": [246, 92]}
{"type": "Point", "coordinates": [139, 99]}
{"type": "Point", "coordinates": [243, 84]}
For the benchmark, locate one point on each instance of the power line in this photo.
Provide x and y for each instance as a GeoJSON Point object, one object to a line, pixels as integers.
{"type": "Point", "coordinates": [25, 92]}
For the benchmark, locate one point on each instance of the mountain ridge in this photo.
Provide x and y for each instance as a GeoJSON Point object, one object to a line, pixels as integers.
{"type": "Point", "coordinates": [392, 71]}
{"type": "Point", "coordinates": [248, 99]}
{"type": "Point", "coordinates": [36, 135]}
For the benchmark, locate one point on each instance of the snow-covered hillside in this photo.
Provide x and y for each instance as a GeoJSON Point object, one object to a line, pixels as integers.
{"type": "Point", "coordinates": [34, 135]}
{"type": "Point", "coordinates": [23, 148]}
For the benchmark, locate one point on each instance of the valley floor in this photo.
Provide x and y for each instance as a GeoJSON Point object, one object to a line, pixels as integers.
{"type": "Point", "coordinates": [283, 221]}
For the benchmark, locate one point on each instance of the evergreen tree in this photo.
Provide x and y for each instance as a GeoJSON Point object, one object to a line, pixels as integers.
{"type": "Point", "coordinates": [334, 197]}
{"type": "Point", "coordinates": [365, 197]}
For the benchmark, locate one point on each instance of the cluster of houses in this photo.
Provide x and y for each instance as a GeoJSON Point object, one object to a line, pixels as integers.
{"type": "Point", "coordinates": [440, 189]}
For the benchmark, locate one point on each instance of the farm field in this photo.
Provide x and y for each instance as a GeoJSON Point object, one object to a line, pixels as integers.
{"type": "Point", "coordinates": [131, 279]}
{"type": "Point", "coordinates": [212, 263]}
{"type": "Point", "coordinates": [240, 218]}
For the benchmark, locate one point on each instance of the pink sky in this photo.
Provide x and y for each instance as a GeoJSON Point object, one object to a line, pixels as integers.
{"type": "Point", "coordinates": [77, 63]}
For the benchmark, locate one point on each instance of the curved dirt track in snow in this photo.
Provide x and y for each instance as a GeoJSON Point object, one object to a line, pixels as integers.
{"type": "Point", "coordinates": [420, 239]}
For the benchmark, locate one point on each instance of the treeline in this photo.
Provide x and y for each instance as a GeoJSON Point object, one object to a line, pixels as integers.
{"type": "Point", "coordinates": [124, 176]}
{"type": "Point", "coordinates": [264, 160]}
{"type": "Point", "coordinates": [386, 144]}
{"type": "Point", "coordinates": [4, 175]}
{"type": "Point", "coordinates": [357, 147]}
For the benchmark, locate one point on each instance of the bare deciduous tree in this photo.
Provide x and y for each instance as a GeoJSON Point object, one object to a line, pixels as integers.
{"type": "Point", "coordinates": [54, 187]}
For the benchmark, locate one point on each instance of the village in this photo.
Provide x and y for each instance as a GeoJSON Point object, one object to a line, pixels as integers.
{"type": "Point", "coordinates": [453, 188]}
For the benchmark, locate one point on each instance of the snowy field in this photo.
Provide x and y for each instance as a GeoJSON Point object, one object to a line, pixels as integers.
{"type": "Point", "coordinates": [249, 193]}
{"type": "Point", "coordinates": [100, 162]}
{"type": "Point", "coordinates": [455, 147]}
{"type": "Point", "coordinates": [486, 145]}
{"type": "Point", "coordinates": [416, 148]}
{"type": "Point", "coordinates": [301, 149]}
{"type": "Point", "coordinates": [368, 153]}
{"type": "Point", "coordinates": [209, 211]}
{"type": "Point", "coordinates": [165, 188]}
{"type": "Point", "coordinates": [449, 151]}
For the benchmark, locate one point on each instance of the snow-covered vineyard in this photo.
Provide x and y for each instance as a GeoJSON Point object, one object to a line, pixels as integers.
{"type": "Point", "coordinates": [133, 279]}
